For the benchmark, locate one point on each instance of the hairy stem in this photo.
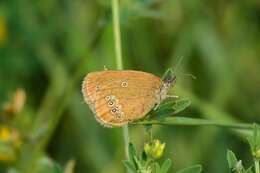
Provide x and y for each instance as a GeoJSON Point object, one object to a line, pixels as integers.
{"type": "Point", "coordinates": [195, 122]}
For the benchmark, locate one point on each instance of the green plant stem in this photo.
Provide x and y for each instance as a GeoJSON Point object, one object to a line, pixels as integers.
{"type": "Point", "coordinates": [257, 170]}
{"type": "Point", "coordinates": [149, 132]}
{"type": "Point", "coordinates": [126, 140]}
{"type": "Point", "coordinates": [196, 122]}
{"type": "Point", "coordinates": [119, 62]}
{"type": "Point", "coordinates": [117, 38]}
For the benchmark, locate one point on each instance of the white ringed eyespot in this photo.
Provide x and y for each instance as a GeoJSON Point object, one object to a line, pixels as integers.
{"type": "Point", "coordinates": [114, 110]}
{"type": "Point", "coordinates": [124, 84]}
{"type": "Point", "coordinates": [111, 103]}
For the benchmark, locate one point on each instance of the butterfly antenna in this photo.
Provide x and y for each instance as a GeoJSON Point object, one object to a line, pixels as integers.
{"type": "Point", "coordinates": [189, 75]}
{"type": "Point", "coordinates": [177, 64]}
{"type": "Point", "coordinates": [178, 61]}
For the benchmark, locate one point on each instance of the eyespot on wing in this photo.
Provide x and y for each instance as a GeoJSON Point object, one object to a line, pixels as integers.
{"type": "Point", "coordinates": [135, 92]}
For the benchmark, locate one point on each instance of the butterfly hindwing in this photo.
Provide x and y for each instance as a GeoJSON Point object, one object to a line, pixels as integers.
{"type": "Point", "coordinates": [117, 97]}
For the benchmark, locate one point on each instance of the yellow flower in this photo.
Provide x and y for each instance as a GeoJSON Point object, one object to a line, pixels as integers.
{"type": "Point", "coordinates": [5, 134]}
{"type": "Point", "coordinates": [3, 30]}
{"type": "Point", "coordinates": [10, 136]}
{"type": "Point", "coordinates": [154, 149]}
{"type": "Point", "coordinates": [10, 142]}
{"type": "Point", "coordinates": [7, 143]}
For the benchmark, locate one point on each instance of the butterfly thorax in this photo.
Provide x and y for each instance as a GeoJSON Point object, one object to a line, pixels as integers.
{"type": "Point", "coordinates": [162, 94]}
{"type": "Point", "coordinates": [165, 87]}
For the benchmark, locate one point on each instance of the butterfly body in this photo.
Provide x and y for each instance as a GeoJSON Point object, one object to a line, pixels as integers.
{"type": "Point", "coordinates": [117, 97]}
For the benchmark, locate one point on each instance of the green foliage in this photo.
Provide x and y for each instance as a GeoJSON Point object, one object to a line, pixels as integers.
{"type": "Point", "coordinates": [236, 165]}
{"type": "Point", "coordinates": [232, 160]}
{"type": "Point", "coordinates": [48, 46]}
{"type": "Point", "coordinates": [254, 142]}
{"type": "Point", "coordinates": [165, 166]}
{"type": "Point", "coordinates": [145, 163]}
{"type": "Point", "coordinates": [192, 169]}
{"type": "Point", "coordinates": [169, 108]}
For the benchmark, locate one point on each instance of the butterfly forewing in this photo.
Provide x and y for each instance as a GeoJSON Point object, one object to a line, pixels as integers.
{"type": "Point", "coordinates": [117, 97]}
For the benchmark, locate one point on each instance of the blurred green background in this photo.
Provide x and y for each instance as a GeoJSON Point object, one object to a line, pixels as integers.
{"type": "Point", "coordinates": [48, 46]}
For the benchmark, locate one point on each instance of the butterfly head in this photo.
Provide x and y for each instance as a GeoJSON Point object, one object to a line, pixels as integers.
{"type": "Point", "coordinates": [169, 78]}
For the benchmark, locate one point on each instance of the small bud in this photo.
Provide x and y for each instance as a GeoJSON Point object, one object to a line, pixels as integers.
{"type": "Point", "coordinates": [16, 104]}
{"type": "Point", "coordinates": [256, 154]}
{"type": "Point", "coordinates": [154, 149]}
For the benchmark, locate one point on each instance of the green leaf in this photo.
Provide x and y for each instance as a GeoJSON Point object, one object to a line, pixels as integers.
{"type": "Point", "coordinates": [166, 166]}
{"type": "Point", "coordinates": [45, 164]}
{"type": "Point", "coordinates": [164, 108]}
{"type": "Point", "coordinates": [167, 104]}
{"type": "Point", "coordinates": [144, 156]}
{"type": "Point", "coordinates": [162, 113]}
{"type": "Point", "coordinates": [249, 170]}
{"type": "Point", "coordinates": [129, 165]}
{"type": "Point", "coordinates": [170, 107]}
{"type": "Point", "coordinates": [254, 142]}
{"type": "Point", "coordinates": [251, 143]}
{"type": "Point", "coordinates": [157, 168]}
{"type": "Point", "coordinates": [232, 160]}
{"type": "Point", "coordinates": [191, 169]}
{"type": "Point", "coordinates": [138, 163]}
{"type": "Point", "coordinates": [132, 155]}
{"type": "Point", "coordinates": [57, 168]}
{"type": "Point", "coordinates": [180, 105]}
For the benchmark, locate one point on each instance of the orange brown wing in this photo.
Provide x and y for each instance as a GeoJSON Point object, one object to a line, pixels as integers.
{"type": "Point", "coordinates": [117, 97]}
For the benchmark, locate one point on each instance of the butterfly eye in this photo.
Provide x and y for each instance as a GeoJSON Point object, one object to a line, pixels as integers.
{"type": "Point", "coordinates": [124, 84]}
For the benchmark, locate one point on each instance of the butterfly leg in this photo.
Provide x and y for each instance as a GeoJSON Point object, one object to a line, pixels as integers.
{"type": "Point", "coordinates": [156, 107]}
{"type": "Point", "coordinates": [105, 68]}
{"type": "Point", "coordinates": [172, 96]}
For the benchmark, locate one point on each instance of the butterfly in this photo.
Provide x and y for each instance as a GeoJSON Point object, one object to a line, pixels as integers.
{"type": "Point", "coordinates": [118, 97]}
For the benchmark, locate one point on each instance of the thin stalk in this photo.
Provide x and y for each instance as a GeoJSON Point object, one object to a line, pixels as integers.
{"type": "Point", "coordinates": [126, 140]}
{"type": "Point", "coordinates": [117, 37]}
{"type": "Point", "coordinates": [257, 170]}
{"type": "Point", "coordinates": [119, 62]}
{"type": "Point", "coordinates": [149, 132]}
{"type": "Point", "coordinates": [195, 122]}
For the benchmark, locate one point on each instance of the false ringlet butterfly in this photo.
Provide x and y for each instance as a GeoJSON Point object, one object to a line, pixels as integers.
{"type": "Point", "coordinates": [117, 97]}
